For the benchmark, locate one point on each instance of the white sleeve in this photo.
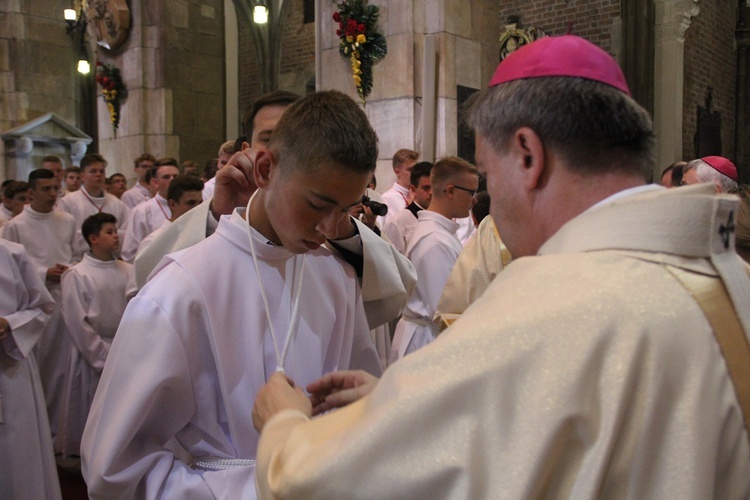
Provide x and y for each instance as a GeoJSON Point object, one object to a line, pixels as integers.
{"type": "Point", "coordinates": [76, 300]}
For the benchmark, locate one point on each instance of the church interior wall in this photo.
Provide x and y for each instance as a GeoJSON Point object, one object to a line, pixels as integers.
{"type": "Point", "coordinates": [173, 65]}
{"type": "Point", "coordinates": [711, 61]}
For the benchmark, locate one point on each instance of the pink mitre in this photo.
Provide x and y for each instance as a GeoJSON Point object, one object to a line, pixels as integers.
{"type": "Point", "coordinates": [722, 165]}
{"type": "Point", "coordinates": [566, 55]}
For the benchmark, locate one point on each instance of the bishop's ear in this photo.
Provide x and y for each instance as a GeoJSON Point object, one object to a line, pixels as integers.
{"type": "Point", "coordinates": [264, 163]}
{"type": "Point", "coordinates": [530, 150]}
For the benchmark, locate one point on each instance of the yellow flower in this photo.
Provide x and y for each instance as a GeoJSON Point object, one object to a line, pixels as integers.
{"type": "Point", "coordinates": [357, 80]}
{"type": "Point", "coordinates": [349, 38]}
{"type": "Point", "coordinates": [361, 38]}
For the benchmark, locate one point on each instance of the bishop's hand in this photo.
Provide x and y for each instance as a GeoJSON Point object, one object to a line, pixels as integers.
{"type": "Point", "coordinates": [340, 388]}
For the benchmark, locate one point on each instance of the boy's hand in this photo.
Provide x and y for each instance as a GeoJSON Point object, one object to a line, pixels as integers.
{"type": "Point", "coordinates": [278, 394]}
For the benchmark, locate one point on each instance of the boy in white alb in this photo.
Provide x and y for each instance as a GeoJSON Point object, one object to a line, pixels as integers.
{"type": "Point", "coordinates": [433, 249]}
{"type": "Point", "coordinates": [48, 236]}
{"type": "Point", "coordinates": [184, 194]}
{"type": "Point", "coordinates": [140, 190]}
{"type": "Point", "coordinates": [92, 199]}
{"type": "Point", "coordinates": [398, 228]}
{"type": "Point", "coordinates": [94, 295]}
{"type": "Point", "coordinates": [398, 197]}
{"type": "Point", "coordinates": [260, 295]}
{"type": "Point", "coordinates": [148, 216]}
{"type": "Point", "coordinates": [28, 467]}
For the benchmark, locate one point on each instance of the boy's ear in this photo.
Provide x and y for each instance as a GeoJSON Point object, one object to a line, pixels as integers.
{"type": "Point", "coordinates": [265, 162]}
{"type": "Point", "coordinates": [171, 204]}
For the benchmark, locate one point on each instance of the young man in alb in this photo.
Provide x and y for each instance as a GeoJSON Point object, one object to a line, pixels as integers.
{"type": "Point", "coordinates": [399, 227]}
{"type": "Point", "coordinates": [260, 295]}
{"type": "Point", "coordinates": [150, 215]}
{"type": "Point", "coordinates": [398, 197]}
{"type": "Point", "coordinates": [433, 248]}
{"type": "Point", "coordinates": [140, 191]}
{"type": "Point", "coordinates": [184, 194]}
{"type": "Point", "coordinates": [48, 236]}
{"type": "Point", "coordinates": [93, 199]}
{"type": "Point", "coordinates": [28, 469]}
{"type": "Point", "coordinates": [94, 295]}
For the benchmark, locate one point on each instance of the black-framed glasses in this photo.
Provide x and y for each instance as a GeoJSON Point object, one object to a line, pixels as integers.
{"type": "Point", "coordinates": [473, 192]}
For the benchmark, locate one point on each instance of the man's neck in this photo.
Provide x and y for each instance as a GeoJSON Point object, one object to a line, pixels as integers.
{"type": "Point", "coordinates": [441, 208]}
{"type": "Point", "coordinates": [95, 192]}
{"type": "Point", "coordinates": [143, 183]}
{"type": "Point", "coordinates": [41, 210]}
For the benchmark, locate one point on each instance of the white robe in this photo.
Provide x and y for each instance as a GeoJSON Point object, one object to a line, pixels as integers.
{"type": "Point", "coordinates": [208, 188]}
{"type": "Point", "coordinates": [5, 216]}
{"type": "Point", "coordinates": [145, 242]}
{"type": "Point", "coordinates": [399, 228]}
{"type": "Point", "coordinates": [585, 372]}
{"type": "Point", "coordinates": [192, 351]}
{"type": "Point", "coordinates": [94, 296]}
{"type": "Point", "coordinates": [80, 207]}
{"type": "Point", "coordinates": [48, 239]}
{"type": "Point", "coordinates": [144, 220]}
{"type": "Point", "coordinates": [483, 258]}
{"type": "Point", "coordinates": [433, 249]}
{"type": "Point", "coordinates": [135, 196]}
{"type": "Point", "coordinates": [387, 278]}
{"type": "Point", "coordinates": [395, 198]}
{"type": "Point", "coordinates": [28, 468]}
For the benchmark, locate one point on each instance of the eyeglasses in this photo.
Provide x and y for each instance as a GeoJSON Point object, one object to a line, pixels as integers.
{"type": "Point", "coordinates": [473, 192]}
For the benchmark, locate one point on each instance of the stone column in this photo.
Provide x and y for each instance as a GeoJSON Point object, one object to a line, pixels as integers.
{"type": "Point", "coordinates": [396, 103]}
{"type": "Point", "coordinates": [672, 19]}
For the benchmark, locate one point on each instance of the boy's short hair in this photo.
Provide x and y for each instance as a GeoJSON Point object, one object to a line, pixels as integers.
{"type": "Point", "coordinates": [39, 173]}
{"type": "Point", "coordinates": [324, 127]}
{"type": "Point", "coordinates": [166, 161]}
{"type": "Point", "coordinates": [447, 169]}
{"type": "Point", "coordinates": [419, 170]}
{"type": "Point", "coordinates": [94, 223]}
{"type": "Point", "coordinates": [15, 187]}
{"type": "Point", "coordinates": [90, 159]}
{"type": "Point", "coordinates": [72, 170]}
{"type": "Point", "coordinates": [181, 184]}
{"type": "Point", "coordinates": [52, 159]}
{"type": "Point", "coordinates": [227, 148]}
{"type": "Point", "coordinates": [275, 98]}
{"type": "Point", "coordinates": [144, 157]}
{"type": "Point", "coordinates": [404, 155]}
{"type": "Point", "coordinates": [112, 178]}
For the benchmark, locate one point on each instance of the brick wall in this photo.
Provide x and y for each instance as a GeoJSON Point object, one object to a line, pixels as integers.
{"type": "Point", "coordinates": [297, 55]}
{"type": "Point", "coordinates": [592, 19]}
{"type": "Point", "coordinates": [298, 40]}
{"type": "Point", "coordinates": [710, 60]}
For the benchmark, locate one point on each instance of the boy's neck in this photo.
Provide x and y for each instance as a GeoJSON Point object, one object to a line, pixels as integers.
{"type": "Point", "coordinates": [100, 254]}
{"type": "Point", "coordinates": [258, 217]}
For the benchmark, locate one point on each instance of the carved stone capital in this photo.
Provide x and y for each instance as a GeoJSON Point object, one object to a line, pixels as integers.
{"type": "Point", "coordinates": [673, 18]}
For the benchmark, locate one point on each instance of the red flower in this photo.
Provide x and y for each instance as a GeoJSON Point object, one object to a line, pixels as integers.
{"type": "Point", "coordinates": [98, 63]}
{"type": "Point", "coordinates": [361, 28]}
{"type": "Point", "coordinates": [338, 32]}
{"type": "Point", "coordinates": [337, 17]}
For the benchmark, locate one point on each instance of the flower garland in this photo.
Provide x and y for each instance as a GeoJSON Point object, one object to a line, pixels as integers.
{"type": "Point", "coordinates": [113, 88]}
{"type": "Point", "coordinates": [359, 40]}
